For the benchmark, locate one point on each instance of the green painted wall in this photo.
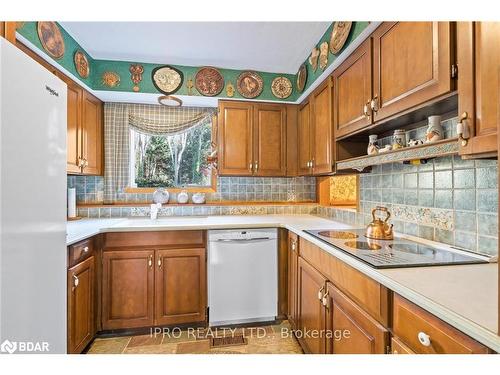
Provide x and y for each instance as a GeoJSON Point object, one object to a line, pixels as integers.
{"type": "Point", "coordinates": [98, 67]}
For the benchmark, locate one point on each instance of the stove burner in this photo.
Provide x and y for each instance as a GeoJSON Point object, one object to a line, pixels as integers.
{"type": "Point", "coordinates": [343, 235]}
{"type": "Point", "coordinates": [362, 245]}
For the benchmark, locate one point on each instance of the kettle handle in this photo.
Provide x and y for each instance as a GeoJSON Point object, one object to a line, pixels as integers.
{"type": "Point", "coordinates": [382, 209]}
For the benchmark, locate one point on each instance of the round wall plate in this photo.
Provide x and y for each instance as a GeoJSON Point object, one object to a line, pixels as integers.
{"type": "Point", "coordinates": [167, 79]}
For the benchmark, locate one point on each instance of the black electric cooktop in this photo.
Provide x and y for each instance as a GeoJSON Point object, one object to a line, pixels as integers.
{"type": "Point", "coordinates": [397, 253]}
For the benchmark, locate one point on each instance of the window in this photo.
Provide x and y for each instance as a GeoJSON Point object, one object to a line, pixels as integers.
{"type": "Point", "coordinates": [171, 161]}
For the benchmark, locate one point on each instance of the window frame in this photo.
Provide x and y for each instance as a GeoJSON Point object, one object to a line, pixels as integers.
{"type": "Point", "coordinates": [194, 189]}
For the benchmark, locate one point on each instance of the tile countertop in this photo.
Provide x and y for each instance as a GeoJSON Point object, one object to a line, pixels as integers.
{"type": "Point", "coordinates": [465, 296]}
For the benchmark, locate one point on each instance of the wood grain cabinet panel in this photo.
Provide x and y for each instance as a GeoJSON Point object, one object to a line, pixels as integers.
{"type": "Point", "coordinates": [424, 333]}
{"type": "Point", "coordinates": [92, 132]}
{"type": "Point", "coordinates": [293, 259]}
{"type": "Point", "coordinates": [180, 286]}
{"type": "Point", "coordinates": [399, 347]}
{"type": "Point", "coordinates": [269, 140]}
{"type": "Point", "coordinates": [235, 138]}
{"type": "Point", "coordinates": [478, 58]}
{"type": "Point", "coordinates": [304, 139]}
{"type": "Point", "coordinates": [81, 305]}
{"type": "Point", "coordinates": [74, 135]}
{"type": "Point", "coordinates": [411, 65]}
{"type": "Point", "coordinates": [322, 138]}
{"type": "Point", "coordinates": [127, 289]}
{"type": "Point", "coordinates": [311, 313]}
{"type": "Point", "coordinates": [353, 330]}
{"type": "Point", "coordinates": [352, 91]}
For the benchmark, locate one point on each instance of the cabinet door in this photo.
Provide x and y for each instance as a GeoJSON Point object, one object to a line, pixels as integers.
{"type": "Point", "coordinates": [74, 135]}
{"type": "Point", "coordinates": [478, 54]}
{"type": "Point", "coordinates": [269, 140]}
{"type": "Point", "coordinates": [293, 258]}
{"type": "Point", "coordinates": [127, 289]}
{"type": "Point", "coordinates": [411, 65]}
{"type": "Point", "coordinates": [235, 139]}
{"type": "Point", "coordinates": [81, 305]}
{"type": "Point", "coordinates": [180, 286]}
{"type": "Point", "coordinates": [322, 141]}
{"type": "Point", "coordinates": [311, 285]}
{"type": "Point", "coordinates": [304, 139]}
{"type": "Point", "coordinates": [352, 91]}
{"type": "Point", "coordinates": [398, 347]}
{"type": "Point", "coordinates": [92, 134]}
{"type": "Point", "coordinates": [355, 331]}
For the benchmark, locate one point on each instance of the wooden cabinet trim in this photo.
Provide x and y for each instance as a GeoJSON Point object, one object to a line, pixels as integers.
{"type": "Point", "coordinates": [154, 239]}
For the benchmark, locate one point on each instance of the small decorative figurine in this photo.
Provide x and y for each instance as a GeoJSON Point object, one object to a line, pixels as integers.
{"type": "Point", "coordinates": [373, 144]}
{"type": "Point", "coordinates": [183, 197]}
{"type": "Point", "coordinates": [398, 139]}
{"type": "Point", "coordinates": [415, 142]}
{"type": "Point", "coordinates": [435, 130]}
{"type": "Point", "coordinates": [229, 89]}
{"type": "Point", "coordinates": [385, 149]}
{"type": "Point", "coordinates": [136, 71]}
{"type": "Point", "coordinates": [190, 85]}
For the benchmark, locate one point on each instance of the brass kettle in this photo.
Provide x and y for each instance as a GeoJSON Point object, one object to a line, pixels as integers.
{"type": "Point", "coordinates": [378, 229]}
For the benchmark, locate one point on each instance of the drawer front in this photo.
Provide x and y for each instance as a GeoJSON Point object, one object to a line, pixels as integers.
{"type": "Point", "coordinates": [80, 251]}
{"type": "Point", "coordinates": [398, 347]}
{"type": "Point", "coordinates": [423, 332]}
{"type": "Point", "coordinates": [184, 238]}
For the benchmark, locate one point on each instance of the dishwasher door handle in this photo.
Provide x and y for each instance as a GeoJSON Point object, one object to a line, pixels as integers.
{"type": "Point", "coordinates": [243, 239]}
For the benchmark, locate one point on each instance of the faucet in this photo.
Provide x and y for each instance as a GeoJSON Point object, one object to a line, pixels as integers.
{"type": "Point", "coordinates": [155, 207]}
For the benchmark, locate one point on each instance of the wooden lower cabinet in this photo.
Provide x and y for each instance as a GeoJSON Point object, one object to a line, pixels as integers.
{"type": "Point", "coordinates": [350, 329]}
{"type": "Point", "coordinates": [311, 314]}
{"type": "Point", "coordinates": [398, 347]}
{"type": "Point", "coordinates": [127, 289]}
{"type": "Point", "coordinates": [293, 259]}
{"type": "Point", "coordinates": [81, 305]}
{"type": "Point", "coordinates": [180, 286]}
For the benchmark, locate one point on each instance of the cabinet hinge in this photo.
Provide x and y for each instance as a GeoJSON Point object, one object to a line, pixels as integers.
{"type": "Point", "coordinates": [454, 71]}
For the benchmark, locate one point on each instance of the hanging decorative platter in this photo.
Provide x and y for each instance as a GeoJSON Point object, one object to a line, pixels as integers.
{"type": "Point", "coordinates": [167, 79]}
{"type": "Point", "coordinates": [250, 84]}
{"type": "Point", "coordinates": [136, 71]}
{"type": "Point", "coordinates": [81, 64]}
{"type": "Point", "coordinates": [209, 81]}
{"type": "Point", "coordinates": [323, 55]}
{"type": "Point", "coordinates": [302, 78]}
{"type": "Point", "coordinates": [51, 38]}
{"type": "Point", "coordinates": [313, 59]}
{"type": "Point", "coordinates": [339, 35]}
{"type": "Point", "coordinates": [110, 79]}
{"type": "Point", "coordinates": [281, 87]}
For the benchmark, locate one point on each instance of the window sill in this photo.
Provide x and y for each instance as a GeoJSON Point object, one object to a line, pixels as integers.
{"type": "Point", "coordinates": [144, 190]}
{"type": "Point", "coordinates": [174, 204]}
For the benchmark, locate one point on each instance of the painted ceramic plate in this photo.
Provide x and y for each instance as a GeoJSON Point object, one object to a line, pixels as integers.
{"type": "Point", "coordinates": [281, 87]}
{"type": "Point", "coordinates": [208, 81]}
{"type": "Point", "coordinates": [339, 35]}
{"type": "Point", "coordinates": [167, 79]}
{"type": "Point", "coordinates": [250, 84]}
{"type": "Point", "coordinates": [82, 64]}
{"type": "Point", "coordinates": [302, 77]}
{"type": "Point", "coordinates": [110, 79]}
{"type": "Point", "coordinates": [51, 38]}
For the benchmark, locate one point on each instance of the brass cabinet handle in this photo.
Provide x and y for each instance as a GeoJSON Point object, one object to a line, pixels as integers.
{"type": "Point", "coordinates": [366, 109]}
{"type": "Point", "coordinates": [463, 130]}
{"type": "Point", "coordinates": [256, 166]}
{"type": "Point", "coordinates": [324, 300]}
{"type": "Point", "coordinates": [374, 104]}
{"type": "Point", "coordinates": [294, 245]}
{"type": "Point", "coordinates": [159, 262]}
{"type": "Point", "coordinates": [150, 261]}
{"type": "Point", "coordinates": [250, 166]}
{"type": "Point", "coordinates": [320, 293]}
{"type": "Point", "coordinates": [76, 281]}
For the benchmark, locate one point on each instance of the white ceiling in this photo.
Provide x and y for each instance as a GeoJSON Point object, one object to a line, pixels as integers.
{"type": "Point", "coordinates": [265, 46]}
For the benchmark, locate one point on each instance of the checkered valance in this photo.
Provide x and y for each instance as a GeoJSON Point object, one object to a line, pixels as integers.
{"type": "Point", "coordinates": [147, 119]}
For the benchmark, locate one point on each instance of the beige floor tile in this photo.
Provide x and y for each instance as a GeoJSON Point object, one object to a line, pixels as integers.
{"type": "Point", "coordinates": [114, 345]}
{"type": "Point", "coordinates": [152, 349]}
{"type": "Point", "coordinates": [194, 347]}
{"type": "Point", "coordinates": [144, 340]}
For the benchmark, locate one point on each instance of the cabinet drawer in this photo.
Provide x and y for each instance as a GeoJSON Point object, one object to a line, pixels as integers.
{"type": "Point", "coordinates": [80, 251]}
{"type": "Point", "coordinates": [398, 347]}
{"type": "Point", "coordinates": [425, 333]}
{"type": "Point", "coordinates": [184, 238]}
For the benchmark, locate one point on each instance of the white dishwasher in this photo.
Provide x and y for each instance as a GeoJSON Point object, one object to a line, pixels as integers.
{"type": "Point", "coordinates": [242, 276]}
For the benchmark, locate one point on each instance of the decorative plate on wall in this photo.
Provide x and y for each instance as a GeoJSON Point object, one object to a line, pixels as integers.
{"type": "Point", "coordinates": [51, 38]}
{"type": "Point", "coordinates": [167, 79]}
{"type": "Point", "coordinates": [110, 79]}
{"type": "Point", "coordinates": [302, 77]}
{"type": "Point", "coordinates": [323, 55]}
{"type": "Point", "coordinates": [250, 84]}
{"type": "Point", "coordinates": [209, 81]}
{"type": "Point", "coordinates": [339, 35]}
{"type": "Point", "coordinates": [313, 59]}
{"type": "Point", "coordinates": [281, 87]}
{"type": "Point", "coordinates": [82, 64]}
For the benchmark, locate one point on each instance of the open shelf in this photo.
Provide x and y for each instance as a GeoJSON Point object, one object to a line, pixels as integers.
{"type": "Point", "coordinates": [426, 151]}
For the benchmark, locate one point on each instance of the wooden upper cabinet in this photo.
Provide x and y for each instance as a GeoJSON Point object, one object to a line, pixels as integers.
{"type": "Point", "coordinates": [412, 64]}
{"type": "Point", "coordinates": [269, 140]}
{"type": "Point", "coordinates": [235, 139]}
{"type": "Point", "coordinates": [322, 137]}
{"type": "Point", "coordinates": [356, 331]}
{"type": "Point", "coordinates": [180, 286]}
{"type": "Point", "coordinates": [478, 59]}
{"type": "Point", "coordinates": [127, 289]}
{"type": "Point", "coordinates": [311, 312]}
{"type": "Point", "coordinates": [304, 139]}
{"type": "Point", "coordinates": [81, 305]}
{"type": "Point", "coordinates": [352, 91]}
{"type": "Point", "coordinates": [92, 132]}
{"type": "Point", "coordinates": [74, 135]}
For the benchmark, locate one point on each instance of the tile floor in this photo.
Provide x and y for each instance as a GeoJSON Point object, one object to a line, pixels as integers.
{"type": "Point", "coordinates": [259, 340]}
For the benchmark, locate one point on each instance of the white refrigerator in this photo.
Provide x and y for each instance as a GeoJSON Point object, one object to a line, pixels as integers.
{"type": "Point", "coordinates": [32, 206]}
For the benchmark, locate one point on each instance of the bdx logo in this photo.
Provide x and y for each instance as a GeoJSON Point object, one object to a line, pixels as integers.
{"type": "Point", "coordinates": [23, 346]}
